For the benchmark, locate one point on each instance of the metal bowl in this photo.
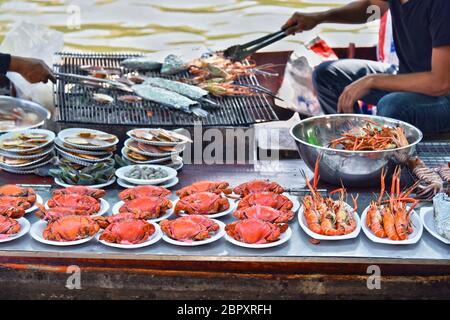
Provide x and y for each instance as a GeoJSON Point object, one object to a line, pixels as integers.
{"type": "Point", "coordinates": [36, 114]}
{"type": "Point", "coordinates": [353, 169]}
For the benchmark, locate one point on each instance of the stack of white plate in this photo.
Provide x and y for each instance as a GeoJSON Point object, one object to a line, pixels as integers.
{"type": "Point", "coordinates": [127, 182]}
{"type": "Point", "coordinates": [145, 147]}
{"type": "Point", "coordinates": [36, 150]}
{"type": "Point", "coordinates": [71, 145]}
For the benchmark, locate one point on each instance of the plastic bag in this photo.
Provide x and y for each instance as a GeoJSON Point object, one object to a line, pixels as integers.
{"type": "Point", "coordinates": [386, 46]}
{"type": "Point", "coordinates": [31, 40]}
{"type": "Point", "coordinates": [297, 89]}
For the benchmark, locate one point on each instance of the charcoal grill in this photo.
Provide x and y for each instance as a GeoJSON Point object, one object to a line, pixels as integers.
{"type": "Point", "coordinates": [75, 105]}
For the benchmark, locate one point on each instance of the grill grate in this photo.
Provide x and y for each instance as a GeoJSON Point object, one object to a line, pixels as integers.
{"type": "Point", "coordinates": [434, 154]}
{"type": "Point", "coordinates": [75, 103]}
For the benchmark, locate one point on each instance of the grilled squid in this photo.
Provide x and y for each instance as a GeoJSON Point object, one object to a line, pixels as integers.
{"type": "Point", "coordinates": [430, 181]}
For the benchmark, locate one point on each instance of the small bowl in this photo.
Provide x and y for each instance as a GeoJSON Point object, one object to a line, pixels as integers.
{"type": "Point", "coordinates": [171, 173]}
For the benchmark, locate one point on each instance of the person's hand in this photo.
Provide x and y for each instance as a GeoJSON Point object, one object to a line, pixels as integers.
{"type": "Point", "coordinates": [352, 93]}
{"type": "Point", "coordinates": [33, 70]}
{"type": "Point", "coordinates": [300, 22]}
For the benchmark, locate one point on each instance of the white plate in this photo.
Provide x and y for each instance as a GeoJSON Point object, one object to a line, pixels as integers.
{"type": "Point", "coordinates": [69, 156]}
{"type": "Point", "coordinates": [158, 157]}
{"type": "Point", "coordinates": [295, 202]}
{"type": "Point", "coordinates": [96, 186]}
{"type": "Point", "coordinates": [24, 229]}
{"type": "Point", "coordinates": [45, 152]}
{"type": "Point", "coordinates": [217, 236]}
{"type": "Point", "coordinates": [172, 173]}
{"type": "Point", "coordinates": [167, 184]}
{"type": "Point", "coordinates": [50, 134]}
{"type": "Point", "coordinates": [27, 170]}
{"type": "Point", "coordinates": [283, 239]}
{"type": "Point", "coordinates": [155, 143]}
{"type": "Point", "coordinates": [309, 232]}
{"type": "Point", "coordinates": [427, 216]}
{"type": "Point", "coordinates": [75, 131]}
{"type": "Point", "coordinates": [232, 207]}
{"type": "Point", "coordinates": [39, 200]}
{"type": "Point", "coordinates": [412, 238]}
{"type": "Point", "coordinates": [118, 205]}
{"type": "Point", "coordinates": [38, 229]}
{"type": "Point", "coordinates": [25, 165]}
{"type": "Point", "coordinates": [151, 240]}
{"type": "Point", "coordinates": [61, 146]}
{"type": "Point", "coordinates": [104, 207]}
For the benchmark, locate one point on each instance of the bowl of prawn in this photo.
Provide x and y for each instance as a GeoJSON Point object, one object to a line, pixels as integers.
{"type": "Point", "coordinates": [313, 137]}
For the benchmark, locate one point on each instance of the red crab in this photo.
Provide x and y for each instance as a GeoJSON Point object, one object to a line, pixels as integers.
{"type": "Point", "coordinates": [79, 203]}
{"type": "Point", "coordinates": [267, 214]}
{"type": "Point", "coordinates": [267, 199]}
{"type": "Point", "coordinates": [205, 186]}
{"type": "Point", "coordinates": [202, 203]}
{"type": "Point", "coordinates": [256, 186]}
{"type": "Point", "coordinates": [147, 208]}
{"type": "Point", "coordinates": [189, 228]}
{"type": "Point", "coordinates": [71, 228]}
{"type": "Point", "coordinates": [13, 207]}
{"type": "Point", "coordinates": [8, 227]}
{"type": "Point", "coordinates": [25, 194]}
{"type": "Point", "coordinates": [254, 231]}
{"type": "Point", "coordinates": [82, 191]}
{"type": "Point", "coordinates": [56, 213]}
{"type": "Point", "coordinates": [144, 192]}
{"type": "Point", "coordinates": [124, 230]}
{"type": "Point", "coordinates": [106, 221]}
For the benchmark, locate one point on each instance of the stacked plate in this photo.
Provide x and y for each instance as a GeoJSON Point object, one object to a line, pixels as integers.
{"type": "Point", "coordinates": [89, 153]}
{"type": "Point", "coordinates": [139, 175]}
{"type": "Point", "coordinates": [24, 151]}
{"type": "Point", "coordinates": [86, 146]}
{"type": "Point", "coordinates": [155, 146]}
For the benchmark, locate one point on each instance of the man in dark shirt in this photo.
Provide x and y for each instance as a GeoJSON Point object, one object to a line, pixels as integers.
{"type": "Point", "coordinates": [33, 70]}
{"type": "Point", "coordinates": [418, 91]}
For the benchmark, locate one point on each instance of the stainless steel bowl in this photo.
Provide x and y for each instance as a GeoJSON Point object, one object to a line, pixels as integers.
{"type": "Point", "coordinates": [354, 169]}
{"type": "Point", "coordinates": [36, 114]}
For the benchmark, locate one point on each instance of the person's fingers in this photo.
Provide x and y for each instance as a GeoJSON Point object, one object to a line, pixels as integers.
{"type": "Point", "coordinates": [51, 77]}
{"type": "Point", "coordinates": [294, 29]}
{"type": "Point", "coordinates": [288, 24]}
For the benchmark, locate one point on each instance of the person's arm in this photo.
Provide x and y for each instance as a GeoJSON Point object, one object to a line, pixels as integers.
{"type": "Point", "coordinates": [354, 12]}
{"type": "Point", "coordinates": [433, 83]}
{"type": "Point", "coordinates": [33, 70]}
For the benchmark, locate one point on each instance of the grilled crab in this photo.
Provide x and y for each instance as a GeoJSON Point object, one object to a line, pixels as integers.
{"type": "Point", "coordinates": [82, 191]}
{"type": "Point", "coordinates": [263, 213]}
{"type": "Point", "coordinates": [204, 203]}
{"type": "Point", "coordinates": [8, 227]}
{"type": "Point", "coordinates": [205, 186]}
{"type": "Point", "coordinates": [128, 231]}
{"type": "Point", "coordinates": [267, 199]}
{"type": "Point", "coordinates": [144, 192]}
{"type": "Point", "coordinates": [79, 203]}
{"type": "Point", "coordinates": [189, 228]}
{"type": "Point", "coordinates": [256, 186]}
{"type": "Point", "coordinates": [13, 207]}
{"type": "Point", "coordinates": [71, 228]}
{"type": "Point", "coordinates": [254, 231]}
{"type": "Point", "coordinates": [147, 208]}
{"type": "Point", "coordinates": [25, 194]}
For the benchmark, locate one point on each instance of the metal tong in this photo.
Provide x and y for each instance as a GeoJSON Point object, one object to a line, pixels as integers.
{"type": "Point", "coordinates": [240, 52]}
{"type": "Point", "coordinates": [113, 84]}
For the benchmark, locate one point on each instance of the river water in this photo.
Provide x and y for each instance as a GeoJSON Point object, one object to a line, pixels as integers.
{"type": "Point", "coordinates": [157, 25]}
